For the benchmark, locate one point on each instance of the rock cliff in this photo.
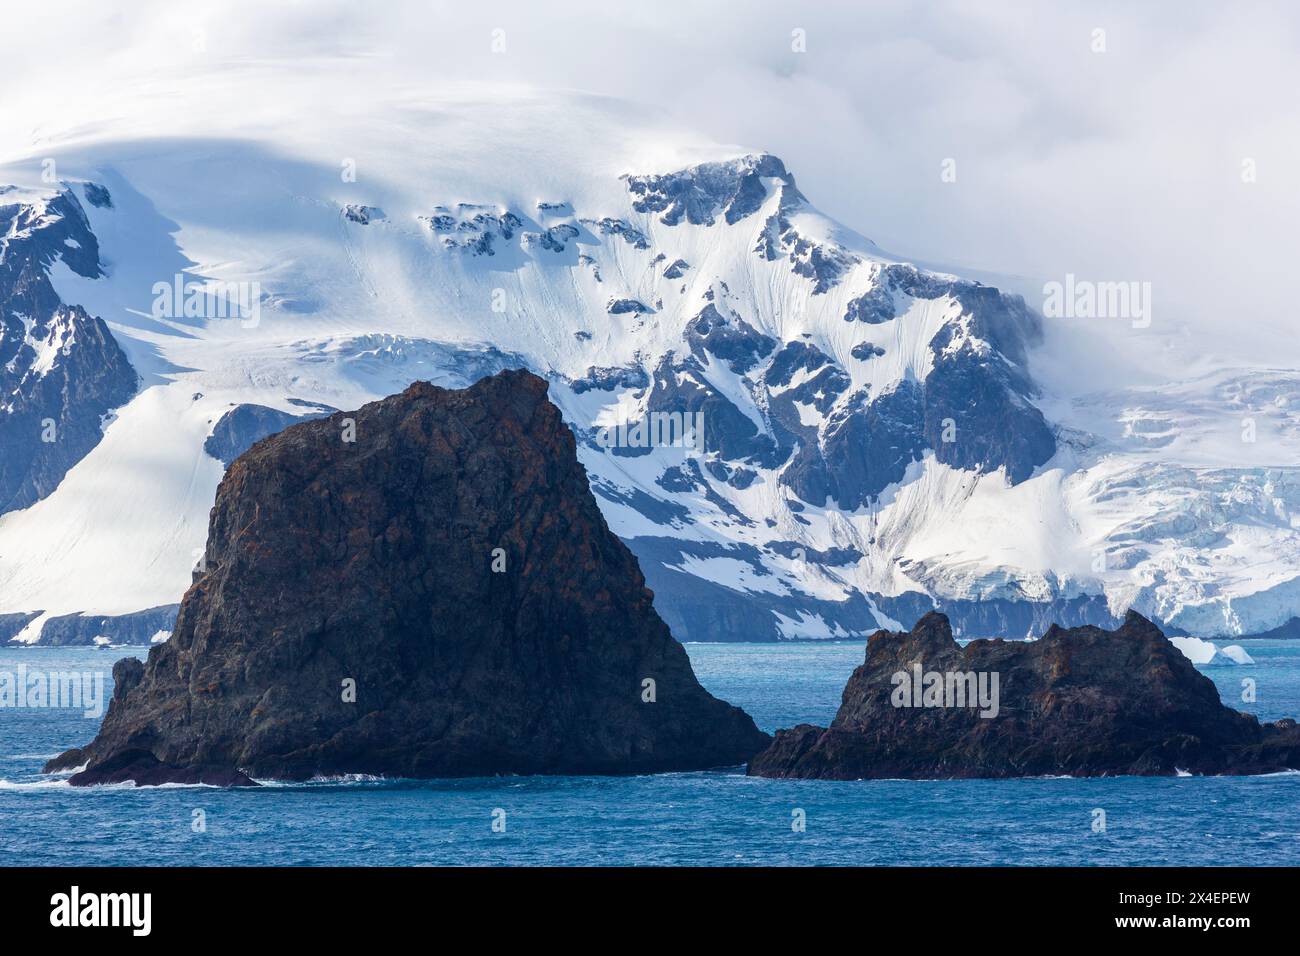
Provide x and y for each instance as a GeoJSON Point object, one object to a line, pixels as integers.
{"type": "Point", "coordinates": [424, 587]}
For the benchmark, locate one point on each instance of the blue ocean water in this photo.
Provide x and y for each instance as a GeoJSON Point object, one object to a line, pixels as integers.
{"type": "Point", "coordinates": [714, 818]}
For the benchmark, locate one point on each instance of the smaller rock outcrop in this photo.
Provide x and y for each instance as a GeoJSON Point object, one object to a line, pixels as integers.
{"type": "Point", "coordinates": [1083, 702]}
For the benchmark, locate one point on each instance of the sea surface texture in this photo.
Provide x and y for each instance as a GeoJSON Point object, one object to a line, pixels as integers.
{"type": "Point", "coordinates": [715, 818]}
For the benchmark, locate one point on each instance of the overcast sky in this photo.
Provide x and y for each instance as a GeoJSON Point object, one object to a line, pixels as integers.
{"type": "Point", "coordinates": [1123, 164]}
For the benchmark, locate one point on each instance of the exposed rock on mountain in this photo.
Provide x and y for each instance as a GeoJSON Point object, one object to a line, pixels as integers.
{"type": "Point", "coordinates": [362, 215]}
{"type": "Point", "coordinates": [245, 425]}
{"type": "Point", "coordinates": [61, 371]}
{"type": "Point", "coordinates": [735, 189]}
{"type": "Point", "coordinates": [624, 306]}
{"type": "Point", "coordinates": [439, 597]}
{"type": "Point", "coordinates": [608, 226]}
{"type": "Point", "coordinates": [729, 338]}
{"type": "Point", "coordinates": [609, 379]}
{"type": "Point", "coordinates": [98, 196]}
{"type": "Point", "coordinates": [475, 228]}
{"type": "Point", "coordinates": [1083, 701]}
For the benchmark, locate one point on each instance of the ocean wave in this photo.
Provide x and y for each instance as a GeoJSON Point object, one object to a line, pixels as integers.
{"type": "Point", "coordinates": [34, 784]}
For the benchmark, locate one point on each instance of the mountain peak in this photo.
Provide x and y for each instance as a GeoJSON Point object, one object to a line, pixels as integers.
{"type": "Point", "coordinates": [731, 188]}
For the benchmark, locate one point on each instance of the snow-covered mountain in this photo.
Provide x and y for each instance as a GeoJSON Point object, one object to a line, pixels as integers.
{"type": "Point", "coordinates": [61, 370]}
{"type": "Point", "coordinates": [878, 437]}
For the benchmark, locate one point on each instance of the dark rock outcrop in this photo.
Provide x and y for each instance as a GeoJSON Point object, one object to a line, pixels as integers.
{"type": "Point", "coordinates": [98, 196]}
{"type": "Point", "coordinates": [555, 238]}
{"type": "Point", "coordinates": [619, 227]}
{"type": "Point", "coordinates": [473, 227]}
{"type": "Point", "coordinates": [1083, 702]}
{"type": "Point", "coordinates": [145, 770]}
{"type": "Point", "coordinates": [624, 306]}
{"type": "Point", "coordinates": [793, 358]}
{"type": "Point", "coordinates": [439, 597]}
{"type": "Point", "coordinates": [865, 351]}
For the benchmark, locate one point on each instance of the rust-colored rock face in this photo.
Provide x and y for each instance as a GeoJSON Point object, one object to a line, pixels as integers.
{"type": "Point", "coordinates": [438, 596]}
{"type": "Point", "coordinates": [1082, 701]}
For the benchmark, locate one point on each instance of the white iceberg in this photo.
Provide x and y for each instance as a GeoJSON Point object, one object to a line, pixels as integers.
{"type": "Point", "coordinates": [1199, 651]}
{"type": "Point", "coordinates": [1194, 649]}
{"type": "Point", "coordinates": [1237, 654]}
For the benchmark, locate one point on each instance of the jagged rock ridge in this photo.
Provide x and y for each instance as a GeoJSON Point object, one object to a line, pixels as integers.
{"type": "Point", "coordinates": [1081, 701]}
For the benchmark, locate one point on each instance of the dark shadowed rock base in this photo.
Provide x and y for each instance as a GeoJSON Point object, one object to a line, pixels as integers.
{"type": "Point", "coordinates": [1082, 702]}
{"type": "Point", "coordinates": [350, 619]}
{"type": "Point", "coordinates": [145, 770]}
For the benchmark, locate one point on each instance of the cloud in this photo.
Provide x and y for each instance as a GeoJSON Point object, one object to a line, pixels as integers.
{"type": "Point", "coordinates": [1118, 165]}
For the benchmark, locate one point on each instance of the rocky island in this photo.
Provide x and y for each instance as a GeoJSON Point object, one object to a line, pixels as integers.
{"type": "Point", "coordinates": [424, 587]}
{"type": "Point", "coordinates": [1080, 701]}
